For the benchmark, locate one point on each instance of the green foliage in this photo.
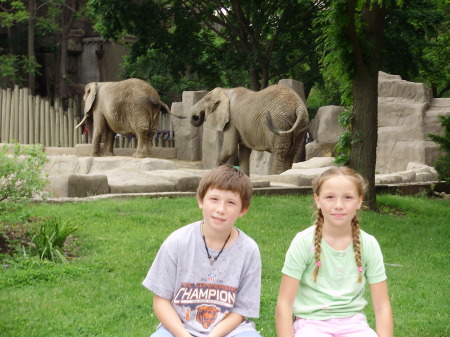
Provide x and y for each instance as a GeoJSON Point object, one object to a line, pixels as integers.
{"type": "Point", "coordinates": [214, 41]}
{"type": "Point", "coordinates": [335, 48]}
{"type": "Point", "coordinates": [319, 96]}
{"type": "Point", "coordinates": [417, 42]}
{"type": "Point", "coordinates": [14, 69]}
{"type": "Point", "coordinates": [344, 143]}
{"type": "Point", "coordinates": [12, 12]}
{"type": "Point", "coordinates": [442, 164]}
{"type": "Point", "coordinates": [48, 240]}
{"type": "Point", "coordinates": [20, 178]}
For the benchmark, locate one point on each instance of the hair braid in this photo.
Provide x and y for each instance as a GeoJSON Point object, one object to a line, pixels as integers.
{"type": "Point", "coordinates": [317, 241]}
{"type": "Point", "coordinates": [357, 247]}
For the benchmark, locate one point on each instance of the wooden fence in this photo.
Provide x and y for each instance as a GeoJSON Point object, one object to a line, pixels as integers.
{"type": "Point", "coordinates": [30, 119]}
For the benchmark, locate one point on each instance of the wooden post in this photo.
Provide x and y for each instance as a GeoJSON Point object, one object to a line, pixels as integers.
{"type": "Point", "coordinates": [21, 126]}
{"type": "Point", "coordinates": [15, 108]}
{"type": "Point", "coordinates": [47, 128]}
{"type": "Point", "coordinates": [42, 122]}
{"type": "Point", "coordinates": [70, 126]}
{"type": "Point", "coordinates": [5, 116]}
{"type": "Point", "coordinates": [58, 126]}
{"type": "Point", "coordinates": [52, 126]}
{"type": "Point", "coordinates": [37, 119]}
{"type": "Point", "coordinates": [25, 124]}
{"type": "Point", "coordinates": [64, 130]}
{"type": "Point", "coordinates": [31, 121]}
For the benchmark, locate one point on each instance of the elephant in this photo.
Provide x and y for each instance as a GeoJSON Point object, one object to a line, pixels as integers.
{"type": "Point", "coordinates": [274, 119]}
{"type": "Point", "coordinates": [128, 107]}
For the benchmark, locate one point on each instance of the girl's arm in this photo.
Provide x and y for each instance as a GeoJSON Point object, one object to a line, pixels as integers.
{"type": "Point", "coordinates": [226, 325]}
{"type": "Point", "coordinates": [285, 304]}
{"type": "Point", "coordinates": [382, 309]}
{"type": "Point", "coordinates": [167, 315]}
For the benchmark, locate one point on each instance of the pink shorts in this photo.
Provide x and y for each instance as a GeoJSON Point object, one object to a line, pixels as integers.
{"type": "Point", "coordinates": [353, 326]}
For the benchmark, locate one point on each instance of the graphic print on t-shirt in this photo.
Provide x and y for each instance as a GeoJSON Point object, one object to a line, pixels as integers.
{"type": "Point", "coordinates": [205, 300]}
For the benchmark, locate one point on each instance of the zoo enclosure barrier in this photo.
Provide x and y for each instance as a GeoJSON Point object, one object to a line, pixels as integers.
{"type": "Point", "coordinates": [30, 119]}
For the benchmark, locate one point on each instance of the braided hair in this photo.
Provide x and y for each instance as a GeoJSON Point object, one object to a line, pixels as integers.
{"type": "Point", "coordinates": [361, 188]}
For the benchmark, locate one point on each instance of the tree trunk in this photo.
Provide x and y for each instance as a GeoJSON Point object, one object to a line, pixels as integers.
{"type": "Point", "coordinates": [67, 19]}
{"type": "Point", "coordinates": [365, 97]}
{"type": "Point", "coordinates": [31, 55]}
{"type": "Point", "coordinates": [364, 130]}
{"type": "Point", "coordinates": [254, 80]}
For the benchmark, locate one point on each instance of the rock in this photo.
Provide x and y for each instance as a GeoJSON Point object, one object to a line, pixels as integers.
{"type": "Point", "coordinates": [77, 186]}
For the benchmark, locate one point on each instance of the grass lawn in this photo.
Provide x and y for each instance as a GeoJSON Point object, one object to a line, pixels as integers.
{"type": "Point", "coordinates": [99, 293]}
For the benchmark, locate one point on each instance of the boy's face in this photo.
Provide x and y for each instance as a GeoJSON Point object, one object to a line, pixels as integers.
{"type": "Point", "coordinates": [221, 209]}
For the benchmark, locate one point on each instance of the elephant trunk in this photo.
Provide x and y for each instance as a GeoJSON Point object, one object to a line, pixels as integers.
{"type": "Point", "coordinates": [197, 120]}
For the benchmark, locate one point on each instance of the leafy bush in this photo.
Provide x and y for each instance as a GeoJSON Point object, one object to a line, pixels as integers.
{"type": "Point", "coordinates": [343, 146]}
{"type": "Point", "coordinates": [442, 163]}
{"type": "Point", "coordinates": [48, 240]}
{"type": "Point", "coordinates": [20, 178]}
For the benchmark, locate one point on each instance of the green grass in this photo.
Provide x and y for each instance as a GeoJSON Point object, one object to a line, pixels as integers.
{"type": "Point", "coordinates": [99, 293]}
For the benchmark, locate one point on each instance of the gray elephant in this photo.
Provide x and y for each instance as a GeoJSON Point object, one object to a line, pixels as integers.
{"type": "Point", "coordinates": [129, 107]}
{"type": "Point", "coordinates": [274, 119]}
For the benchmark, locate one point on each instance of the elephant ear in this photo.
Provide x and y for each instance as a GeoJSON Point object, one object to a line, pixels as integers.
{"type": "Point", "coordinates": [90, 92]}
{"type": "Point", "coordinates": [218, 109]}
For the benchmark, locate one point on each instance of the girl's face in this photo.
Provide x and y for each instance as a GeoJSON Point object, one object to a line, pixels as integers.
{"type": "Point", "coordinates": [339, 200]}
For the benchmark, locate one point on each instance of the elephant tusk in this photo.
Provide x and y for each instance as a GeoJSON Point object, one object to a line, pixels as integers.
{"type": "Point", "coordinates": [82, 122]}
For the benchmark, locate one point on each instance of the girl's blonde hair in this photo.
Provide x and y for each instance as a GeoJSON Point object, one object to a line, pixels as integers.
{"type": "Point", "coordinates": [361, 186]}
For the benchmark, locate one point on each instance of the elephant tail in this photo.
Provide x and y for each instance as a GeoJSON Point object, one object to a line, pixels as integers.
{"type": "Point", "coordinates": [300, 118]}
{"type": "Point", "coordinates": [165, 109]}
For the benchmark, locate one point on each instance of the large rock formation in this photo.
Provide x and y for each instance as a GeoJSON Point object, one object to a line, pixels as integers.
{"type": "Point", "coordinates": [407, 113]}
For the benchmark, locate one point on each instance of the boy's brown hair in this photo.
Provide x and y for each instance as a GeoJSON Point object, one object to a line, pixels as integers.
{"type": "Point", "coordinates": [227, 178]}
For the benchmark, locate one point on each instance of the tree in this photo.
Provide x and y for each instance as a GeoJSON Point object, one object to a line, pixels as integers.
{"type": "Point", "coordinates": [13, 63]}
{"type": "Point", "coordinates": [353, 32]}
{"type": "Point", "coordinates": [417, 42]}
{"type": "Point", "coordinates": [265, 39]}
{"type": "Point", "coordinates": [45, 18]}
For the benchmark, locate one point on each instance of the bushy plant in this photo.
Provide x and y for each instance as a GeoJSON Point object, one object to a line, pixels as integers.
{"type": "Point", "coordinates": [20, 178]}
{"type": "Point", "coordinates": [49, 238]}
{"type": "Point", "coordinates": [442, 163]}
{"type": "Point", "coordinates": [343, 146]}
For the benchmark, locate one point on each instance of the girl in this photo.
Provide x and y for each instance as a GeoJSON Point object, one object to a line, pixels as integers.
{"type": "Point", "coordinates": [327, 266]}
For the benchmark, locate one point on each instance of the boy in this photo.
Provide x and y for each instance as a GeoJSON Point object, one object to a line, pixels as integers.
{"type": "Point", "coordinates": [206, 278]}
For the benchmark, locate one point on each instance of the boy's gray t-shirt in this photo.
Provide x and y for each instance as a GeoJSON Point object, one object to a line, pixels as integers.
{"type": "Point", "coordinates": [201, 293]}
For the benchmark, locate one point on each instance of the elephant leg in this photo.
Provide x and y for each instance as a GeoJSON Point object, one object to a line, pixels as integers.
{"type": "Point", "coordinates": [109, 142]}
{"type": "Point", "coordinates": [244, 159]}
{"type": "Point", "coordinates": [300, 154]}
{"type": "Point", "coordinates": [144, 145]}
{"type": "Point", "coordinates": [229, 146]}
{"type": "Point", "coordinates": [281, 163]}
{"type": "Point", "coordinates": [99, 127]}
{"type": "Point", "coordinates": [284, 153]}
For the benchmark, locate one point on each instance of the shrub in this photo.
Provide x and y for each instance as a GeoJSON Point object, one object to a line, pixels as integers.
{"type": "Point", "coordinates": [442, 163]}
{"type": "Point", "coordinates": [20, 178]}
{"type": "Point", "coordinates": [48, 240]}
{"type": "Point", "coordinates": [344, 144]}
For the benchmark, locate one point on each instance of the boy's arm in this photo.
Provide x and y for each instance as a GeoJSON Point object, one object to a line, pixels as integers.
{"type": "Point", "coordinates": [382, 309]}
{"type": "Point", "coordinates": [226, 325]}
{"type": "Point", "coordinates": [285, 304]}
{"type": "Point", "coordinates": [167, 315]}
